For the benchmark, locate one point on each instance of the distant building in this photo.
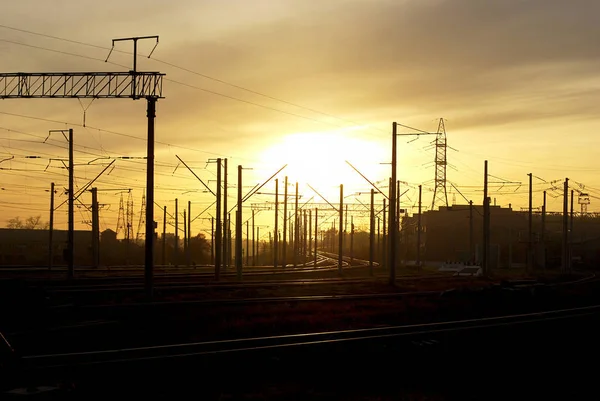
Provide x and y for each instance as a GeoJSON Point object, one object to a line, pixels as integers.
{"type": "Point", "coordinates": [446, 236]}
{"type": "Point", "coordinates": [30, 247]}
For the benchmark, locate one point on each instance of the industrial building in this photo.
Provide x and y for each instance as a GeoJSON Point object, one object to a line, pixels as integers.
{"type": "Point", "coordinates": [455, 233]}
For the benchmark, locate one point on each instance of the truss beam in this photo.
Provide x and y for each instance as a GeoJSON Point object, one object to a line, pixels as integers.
{"type": "Point", "coordinates": [127, 85]}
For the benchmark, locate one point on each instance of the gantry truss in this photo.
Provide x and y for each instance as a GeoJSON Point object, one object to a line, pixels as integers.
{"type": "Point", "coordinates": [129, 85]}
{"type": "Point", "coordinates": [107, 85]}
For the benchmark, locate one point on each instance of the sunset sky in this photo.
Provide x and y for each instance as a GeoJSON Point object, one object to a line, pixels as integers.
{"type": "Point", "coordinates": [309, 84]}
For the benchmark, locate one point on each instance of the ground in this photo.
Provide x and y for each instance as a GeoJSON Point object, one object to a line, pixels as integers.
{"type": "Point", "coordinates": [71, 322]}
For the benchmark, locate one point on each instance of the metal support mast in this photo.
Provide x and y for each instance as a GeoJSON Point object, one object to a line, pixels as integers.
{"type": "Point", "coordinates": [71, 249]}
{"type": "Point", "coordinates": [372, 232]}
{"type": "Point", "coordinates": [341, 232]}
{"type": "Point", "coordinates": [218, 225]}
{"type": "Point", "coordinates": [51, 229]}
{"type": "Point", "coordinates": [393, 221]}
{"type": "Point", "coordinates": [225, 220]}
{"type": "Point", "coordinates": [440, 197]}
{"type": "Point", "coordinates": [276, 229]}
{"type": "Point", "coordinates": [419, 229]}
{"type": "Point", "coordinates": [106, 85]}
{"type": "Point", "coordinates": [95, 229]}
{"type": "Point", "coordinates": [285, 220]}
{"type": "Point", "coordinates": [316, 235]}
{"type": "Point", "coordinates": [238, 226]}
{"type": "Point", "coordinates": [141, 222]}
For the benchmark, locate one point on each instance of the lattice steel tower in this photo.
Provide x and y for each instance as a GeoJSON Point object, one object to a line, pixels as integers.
{"type": "Point", "coordinates": [121, 219]}
{"type": "Point", "coordinates": [440, 197]}
{"type": "Point", "coordinates": [129, 225]}
{"type": "Point", "coordinates": [142, 222]}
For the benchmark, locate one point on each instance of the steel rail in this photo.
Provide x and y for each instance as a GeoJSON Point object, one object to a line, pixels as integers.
{"type": "Point", "coordinates": [45, 361]}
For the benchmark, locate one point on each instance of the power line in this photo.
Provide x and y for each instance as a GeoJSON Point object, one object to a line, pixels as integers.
{"type": "Point", "coordinates": [221, 81]}
{"type": "Point", "coordinates": [208, 91]}
{"type": "Point", "coordinates": [60, 52]}
{"type": "Point", "coordinates": [252, 103]}
{"type": "Point", "coordinates": [177, 82]}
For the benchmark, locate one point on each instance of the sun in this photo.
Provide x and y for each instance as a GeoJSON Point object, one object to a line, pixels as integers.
{"type": "Point", "coordinates": [319, 159]}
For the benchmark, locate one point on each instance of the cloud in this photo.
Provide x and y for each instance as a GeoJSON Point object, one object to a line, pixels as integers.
{"type": "Point", "coordinates": [442, 55]}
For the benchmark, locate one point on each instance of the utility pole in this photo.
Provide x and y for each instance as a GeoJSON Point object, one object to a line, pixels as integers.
{"type": "Point", "coordinates": [565, 227]}
{"type": "Point", "coordinates": [95, 230]}
{"type": "Point", "coordinates": [276, 231]}
{"type": "Point", "coordinates": [346, 224]}
{"type": "Point", "coordinates": [185, 238]}
{"type": "Point", "coordinates": [305, 230]}
{"type": "Point", "coordinates": [341, 234]}
{"type": "Point", "coordinates": [71, 236]}
{"type": "Point", "coordinates": [285, 218]}
{"type": "Point", "coordinates": [149, 237]}
{"type": "Point", "coordinates": [530, 226]}
{"type": "Point", "coordinates": [392, 223]}
{"type": "Point", "coordinates": [176, 245]}
{"type": "Point", "coordinates": [229, 239]}
{"type": "Point", "coordinates": [379, 252]}
{"type": "Point", "coordinates": [310, 232]}
{"type": "Point", "coordinates": [351, 240]}
{"type": "Point", "coordinates": [384, 243]}
{"type": "Point", "coordinates": [419, 232]}
{"type": "Point", "coordinates": [212, 240]}
{"type": "Point", "coordinates": [37, 85]}
{"type": "Point", "coordinates": [257, 244]}
{"type": "Point", "coordinates": [471, 233]}
{"type": "Point", "coordinates": [189, 234]}
{"type": "Point", "coordinates": [316, 235]}
{"type": "Point", "coordinates": [238, 227]}
{"type": "Point", "coordinates": [253, 242]}
{"type": "Point", "coordinates": [543, 234]}
{"type": "Point", "coordinates": [296, 229]}
{"type": "Point", "coordinates": [571, 235]}
{"type": "Point", "coordinates": [164, 237]}
{"type": "Point", "coordinates": [486, 206]}
{"type": "Point", "coordinates": [397, 244]}
{"type": "Point", "coordinates": [51, 229]}
{"type": "Point", "coordinates": [371, 231]}
{"type": "Point", "coordinates": [440, 162]}
{"type": "Point", "coordinates": [218, 225]}
{"type": "Point", "coordinates": [247, 242]}
{"type": "Point", "coordinates": [291, 230]}
{"type": "Point", "coordinates": [225, 220]}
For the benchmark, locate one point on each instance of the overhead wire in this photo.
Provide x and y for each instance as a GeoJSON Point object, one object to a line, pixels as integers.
{"type": "Point", "coordinates": [221, 81]}
{"type": "Point", "coordinates": [189, 85]}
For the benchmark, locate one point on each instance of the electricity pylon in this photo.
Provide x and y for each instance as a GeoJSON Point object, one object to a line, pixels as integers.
{"type": "Point", "coordinates": [440, 197]}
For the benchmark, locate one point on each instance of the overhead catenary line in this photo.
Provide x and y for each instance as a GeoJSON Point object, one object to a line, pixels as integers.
{"type": "Point", "coordinates": [221, 81]}
{"type": "Point", "coordinates": [195, 175]}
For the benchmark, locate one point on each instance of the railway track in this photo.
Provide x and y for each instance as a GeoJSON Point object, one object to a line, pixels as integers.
{"type": "Point", "coordinates": [175, 305]}
{"type": "Point", "coordinates": [462, 359]}
{"type": "Point", "coordinates": [187, 279]}
{"type": "Point", "coordinates": [191, 284]}
{"type": "Point", "coordinates": [213, 303]}
{"type": "Point", "coordinates": [436, 340]}
{"type": "Point", "coordinates": [195, 281]}
{"type": "Point", "coordinates": [246, 345]}
{"type": "Point", "coordinates": [323, 263]}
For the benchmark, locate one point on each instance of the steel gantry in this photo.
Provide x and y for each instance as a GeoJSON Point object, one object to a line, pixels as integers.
{"type": "Point", "coordinates": [101, 85]}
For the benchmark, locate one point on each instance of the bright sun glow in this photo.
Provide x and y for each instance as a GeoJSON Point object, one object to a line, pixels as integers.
{"type": "Point", "coordinates": [319, 160]}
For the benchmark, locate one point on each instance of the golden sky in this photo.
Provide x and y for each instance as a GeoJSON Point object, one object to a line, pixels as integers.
{"type": "Point", "coordinates": [516, 82]}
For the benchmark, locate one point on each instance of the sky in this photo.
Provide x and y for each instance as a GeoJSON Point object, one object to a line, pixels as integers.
{"type": "Point", "coordinates": [310, 85]}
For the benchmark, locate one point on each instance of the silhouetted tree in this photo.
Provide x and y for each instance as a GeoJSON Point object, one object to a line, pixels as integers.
{"type": "Point", "coordinates": [30, 223]}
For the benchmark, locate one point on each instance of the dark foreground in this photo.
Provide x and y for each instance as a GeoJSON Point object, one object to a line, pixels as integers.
{"type": "Point", "coordinates": [549, 359]}
{"type": "Point", "coordinates": [536, 356]}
